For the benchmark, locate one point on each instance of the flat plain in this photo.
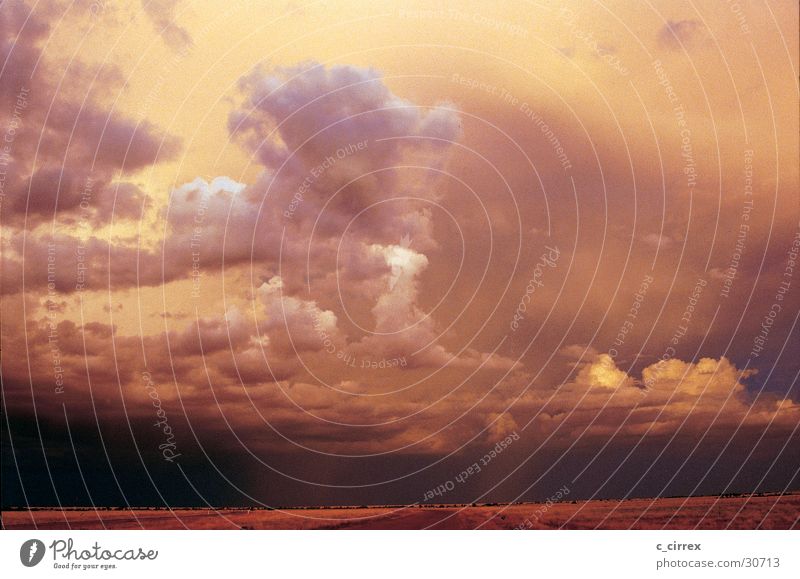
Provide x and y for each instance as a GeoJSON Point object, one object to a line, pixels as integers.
{"type": "Point", "coordinates": [778, 511]}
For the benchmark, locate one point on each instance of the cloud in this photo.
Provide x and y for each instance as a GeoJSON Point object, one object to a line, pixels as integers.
{"type": "Point", "coordinates": [311, 110]}
{"type": "Point", "coordinates": [214, 334]}
{"type": "Point", "coordinates": [337, 218]}
{"type": "Point", "coordinates": [293, 325]}
{"type": "Point", "coordinates": [162, 15]}
{"type": "Point", "coordinates": [672, 396]}
{"type": "Point", "coordinates": [68, 264]}
{"type": "Point", "coordinates": [64, 142]}
{"type": "Point", "coordinates": [578, 351]}
{"type": "Point", "coordinates": [396, 309]}
{"type": "Point", "coordinates": [658, 241]}
{"type": "Point", "coordinates": [244, 362]}
{"type": "Point", "coordinates": [333, 176]}
{"type": "Point", "coordinates": [677, 34]}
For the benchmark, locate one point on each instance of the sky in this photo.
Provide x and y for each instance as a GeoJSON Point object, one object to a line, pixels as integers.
{"type": "Point", "coordinates": [330, 253]}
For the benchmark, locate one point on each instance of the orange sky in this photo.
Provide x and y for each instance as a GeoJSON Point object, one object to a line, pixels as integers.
{"type": "Point", "coordinates": [390, 231]}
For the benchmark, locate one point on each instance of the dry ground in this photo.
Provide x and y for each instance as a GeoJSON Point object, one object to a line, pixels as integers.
{"type": "Point", "coordinates": [744, 512]}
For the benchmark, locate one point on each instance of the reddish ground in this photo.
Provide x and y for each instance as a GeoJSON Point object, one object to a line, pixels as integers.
{"type": "Point", "coordinates": [745, 512]}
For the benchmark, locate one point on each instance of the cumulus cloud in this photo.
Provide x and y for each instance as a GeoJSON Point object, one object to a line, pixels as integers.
{"type": "Point", "coordinates": [334, 218]}
{"type": "Point", "coordinates": [578, 351]}
{"type": "Point", "coordinates": [396, 309]}
{"type": "Point", "coordinates": [322, 168]}
{"type": "Point", "coordinates": [293, 325]}
{"type": "Point", "coordinates": [244, 362]}
{"type": "Point", "coordinates": [67, 152]}
{"type": "Point", "coordinates": [329, 139]}
{"type": "Point", "coordinates": [671, 396]}
{"type": "Point", "coordinates": [311, 110]}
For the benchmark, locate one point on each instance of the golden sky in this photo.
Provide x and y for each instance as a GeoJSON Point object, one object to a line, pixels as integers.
{"type": "Point", "coordinates": [393, 231]}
